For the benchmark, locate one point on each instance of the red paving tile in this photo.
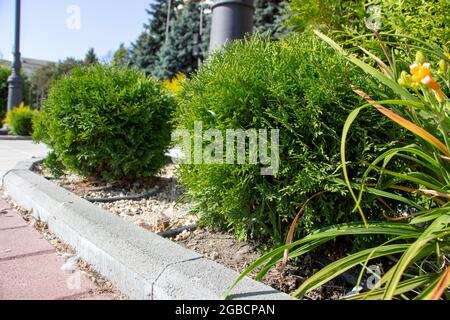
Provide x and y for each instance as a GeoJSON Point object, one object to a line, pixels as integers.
{"type": "Point", "coordinates": [3, 204]}
{"type": "Point", "coordinates": [98, 297]}
{"type": "Point", "coordinates": [30, 269]}
{"type": "Point", "coordinates": [22, 242]}
{"type": "Point", "coordinates": [40, 278]}
{"type": "Point", "coordinates": [10, 220]}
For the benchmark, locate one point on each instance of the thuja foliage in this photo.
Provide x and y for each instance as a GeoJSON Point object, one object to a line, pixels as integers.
{"type": "Point", "coordinates": [301, 87]}
{"type": "Point", "coordinates": [106, 122]}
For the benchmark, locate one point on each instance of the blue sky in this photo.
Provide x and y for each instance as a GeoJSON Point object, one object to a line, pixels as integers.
{"type": "Point", "coordinates": [50, 32]}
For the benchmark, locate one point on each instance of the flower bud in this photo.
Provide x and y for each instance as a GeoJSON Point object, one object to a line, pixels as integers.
{"type": "Point", "coordinates": [443, 67]}
{"type": "Point", "coordinates": [420, 57]}
{"type": "Point", "coordinates": [405, 79]}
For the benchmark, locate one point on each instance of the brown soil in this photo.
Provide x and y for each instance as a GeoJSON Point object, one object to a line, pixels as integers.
{"type": "Point", "coordinates": [224, 249]}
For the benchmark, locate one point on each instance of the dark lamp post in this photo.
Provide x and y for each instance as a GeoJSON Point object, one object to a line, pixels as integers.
{"type": "Point", "coordinates": [231, 19]}
{"type": "Point", "coordinates": [15, 81]}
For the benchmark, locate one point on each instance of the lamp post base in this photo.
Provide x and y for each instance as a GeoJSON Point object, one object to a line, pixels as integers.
{"type": "Point", "coordinates": [15, 91]}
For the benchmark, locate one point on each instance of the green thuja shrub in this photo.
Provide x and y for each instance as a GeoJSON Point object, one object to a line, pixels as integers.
{"type": "Point", "coordinates": [20, 120]}
{"type": "Point", "coordinates": [106, 122]}
{"type": "Point", "coordinates": [22, 124]}
{"type": "Point", "coordinates": [301, 87]}
{"type": "Point", "coordinates": [4, 74]}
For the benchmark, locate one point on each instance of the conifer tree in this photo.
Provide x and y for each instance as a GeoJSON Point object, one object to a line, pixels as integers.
{"type": "Point", "coordinates": [91, 58]}
{"type": "Point", "coordinates": [177, 54]}
{"type": "Point", "coordinates": [268, 17]}
{"type": "Point", "coordinates": [144, 51]}
{"type": "Point", "coordinates": [121, 57]}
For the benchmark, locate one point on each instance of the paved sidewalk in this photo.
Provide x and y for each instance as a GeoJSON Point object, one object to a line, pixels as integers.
{"type": "Point", "coordinates": [13, 151]}
{"type": "Point", "coordinates": [30, 268]}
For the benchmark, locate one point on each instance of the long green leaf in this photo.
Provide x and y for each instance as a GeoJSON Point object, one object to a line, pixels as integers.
{"type": "Point", "coordinates": [386, 228]}
{"type": "Point", "coordinates": [429, 215]}
{"type": "Point", "coordinates": [394, 196]}
{"type": "Point", "coordinates": [338, 267]}
{"type": "Point", "coordinates": [411, 253]}
{"type": "Point", "coordinates": [348, 123]}
{"type": "Point", "coordinates": [403, 287]}
{"type": "Point", "coordinates": [369, 69]}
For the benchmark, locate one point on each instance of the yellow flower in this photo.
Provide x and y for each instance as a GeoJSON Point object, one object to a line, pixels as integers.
{"type": "Point", "coordinates": [421, 73]}
{"type": "Point", "coordinates": [447, 55]}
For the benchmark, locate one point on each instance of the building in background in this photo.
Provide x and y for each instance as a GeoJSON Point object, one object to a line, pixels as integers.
{"type": "Point", "coordinates": [29, 65]}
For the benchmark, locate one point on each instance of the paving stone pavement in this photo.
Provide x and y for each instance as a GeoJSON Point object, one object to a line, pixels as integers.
{"type": "Point", "coordinates": [13, 151]}
{"type": "Point", "coordinates": [30, 268]}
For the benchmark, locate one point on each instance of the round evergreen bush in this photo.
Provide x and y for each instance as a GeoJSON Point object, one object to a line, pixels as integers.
{"type": "Point", "coordinates": [106, 122]}
{"type": "Point", "coordinates": [20, 120]}
{"type": "Point", "coordinates": [22, 124]}
{"type": "Point", "coordinates": [297, 85]}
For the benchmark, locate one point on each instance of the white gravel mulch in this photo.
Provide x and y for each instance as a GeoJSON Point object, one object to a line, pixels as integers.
{"type": "Point", "coordinates": [163, 210]}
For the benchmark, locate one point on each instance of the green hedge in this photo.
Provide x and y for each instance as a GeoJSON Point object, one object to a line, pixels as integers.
{"type": "Point", "coordinates": [300, 86]}
{"type": "Point", "coordinates": [106, 122]}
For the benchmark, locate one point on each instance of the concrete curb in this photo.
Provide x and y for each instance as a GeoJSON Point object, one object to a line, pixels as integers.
{"type": "Point", "coordinates": [14, 138]}
{"type": "Point", "coordinates": [139, 263]}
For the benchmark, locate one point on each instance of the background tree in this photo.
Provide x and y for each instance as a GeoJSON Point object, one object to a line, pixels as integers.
{"type": "Point", "coordinates": [43, 78]}
{"type": "Point", "coordinates": [268, 17]}
{"type": "Point", "coordinates": [5, 72]}
{"type": "Point", "coordinates": [144, 51]}
{"type": "Point", "coordinates": [121, 57]}
{"type": "Point", "coordinates": [177, 54]}
{"type": "Point", "coordinates": [91, 58]}
{"type": "Point", "coordinates": [140, 54]}
{"type": "Point", "coordinates": [206, 30]}
{"type": "Point", "coordinates": [156, 56]}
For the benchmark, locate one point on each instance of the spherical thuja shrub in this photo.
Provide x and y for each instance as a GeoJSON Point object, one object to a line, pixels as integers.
{"type": "Point", "coordinates": [300, 86]}
{"type": "Point", "coordinates": [20, 120]}
{"type": "Point", "coordinates": [22, 124]}
{"type": "Point", "coordinates": [106, 122]}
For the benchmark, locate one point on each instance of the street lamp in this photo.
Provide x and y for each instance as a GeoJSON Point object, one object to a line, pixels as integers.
{"type": "Point", "coordinates": [15, 81]}
{"type": "Point", "coordinates": [231, 19]}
